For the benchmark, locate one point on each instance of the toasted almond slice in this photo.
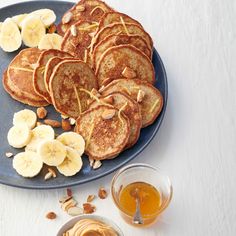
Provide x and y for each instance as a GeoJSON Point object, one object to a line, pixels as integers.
{"type": "Point", "coordinates": [108, 114]}
{"type": "Point", "coordinates": [48, 176]}
{"type": "Point", "coordinates": [75, 211]}
{"type": "Point", "coordinates": [140, 96]}
{"type": "Point", "coordinates": [73, 30]}
{"type": "Point", "coordinates": [80, 8]}
{"type": "Point", "coordinates": [97, 164]}
{"type": "Point", "coordinates": [70, 203]}
{"type": "Point", "coordinates": [65, 199]}
{"type": "Point", "coordinates": [9, 154]}
{"type": "Point", "coordinates": [67, 17]}
{"type": "Point", "coordinates": [72, 121]}
{"type": "Point", "coordinates": [53, 172]}
{"type": "Point", "coordinates": [90, 198]}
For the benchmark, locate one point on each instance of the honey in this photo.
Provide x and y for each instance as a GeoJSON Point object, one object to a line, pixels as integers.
{"type": "Point", "coordinates": [150, 199]}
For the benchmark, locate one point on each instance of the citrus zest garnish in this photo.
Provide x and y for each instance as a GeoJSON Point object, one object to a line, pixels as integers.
{"type": "Point", "coordinates": [119, 112]}
{"type": "Point", "coordinates": [154, 105]}
{"type": "Point", "coordinates": [97, 7]}
{"type": "Point", "coordinates": [88, 27]}
{"type": "Point", "coordinates": [123, 23]}
{"type": "Point", "coordinates": [90, 134]}
{"type": "Point", "coordinates": [85, 55]}
{"type": "Point", "coordinates": [20, 68]}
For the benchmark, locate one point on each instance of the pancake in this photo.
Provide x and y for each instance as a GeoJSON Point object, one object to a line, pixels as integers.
{"type": "Point", "coordinates": [121, 39]}
{"type": "Point", "coordinates": [115, 17]}
{"type": "Point", "coordinates": [38, 78]}
{"type": "Point", "coordinates": [104, 138]}
{"type": "Point", "coordinates": [131, 110]}
{"type": "Point", "coordinates": [20, 78]}
{"type": "Point", "coordinates": [91, 10]}
{"type": "Point", "coordinates": [119, 28]}
{"type": "Point", "coordinates": [77, 40]}
{"type": "Point", "coordinates": [152, 102]}
{"type": "Point", "coordinates": [50, 66]}
{"type": "Point", "coordinates": [18, 95]}
{"type": "Point", "coordinates": [116, 61]}
{"type": "Point", "coordinates": [70, 84]}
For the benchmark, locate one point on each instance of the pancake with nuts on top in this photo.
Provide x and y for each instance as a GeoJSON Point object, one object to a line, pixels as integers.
{"type": "Point", "coordinates": [38, 77]}
{"type": "Point", "coordinates": [116, 17]}
{"type": "Point", "coordinates": [121, 39]}
{"type": "Point", "coordinates": [119, 28]}
{"type": "Point", "coordinates": [77, 40]}
{"type": "Point", "coordinates": [148, 97]}
{"type": "Point", "coordinates": [18, 81]}
{"type": "Point", "coordinates": [70, 87]}
{"type": "Point", "coordinates": [124, 61]}
{"type": "Point", "coordinates": [106, 131]}
{"type": "Point", "coordinates": [91, 10]}
{"type": "Point", "coordinates": [130, 108]}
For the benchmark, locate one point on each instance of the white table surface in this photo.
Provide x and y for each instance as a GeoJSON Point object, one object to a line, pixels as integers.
{"type": "Point", "coordinates": [196, 143]}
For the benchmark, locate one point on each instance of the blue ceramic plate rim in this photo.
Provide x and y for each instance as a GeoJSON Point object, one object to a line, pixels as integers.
{"type": "Point", "coordinates": [155, 127]}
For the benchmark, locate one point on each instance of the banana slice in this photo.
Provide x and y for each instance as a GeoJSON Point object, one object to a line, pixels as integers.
{"type": "Point", "coordinates": [47, 16]}
{"type": "Point", "coordinates": [40, 134]}
{"type": "Point", "coordinates": [0, 27]}
{"type": "Point", "coordinates": [27, 164]}
{"type": "Point", "coordinates": [33, 30]}
{"type": "Point", "coordinates": [10, 38]}
{"type": "Point", "coordinates": [73, 140]}
{"type": "Point", "coordinates": [72, 163]}
{"type": "Point", "coordinates": [19, 135]}
{"type": "Point", "coordinates": [52, 152]}
{"type": "Point", "coordinates": [50, 41]}
{"type": "Point", "coordinates": [18, 19]}
{"type": "Point", "coordinates": [25, 116]}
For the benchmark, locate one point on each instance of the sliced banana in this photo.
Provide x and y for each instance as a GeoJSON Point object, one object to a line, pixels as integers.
{"type": "Point", "coordinates": [50, 41]}
{"type": "Point", "coordinates": [72, 163]}
{"type": "Point", "coordinates": [18, 19]}
{"type": "Point", "coordinates": [25, 116]}
{"type": "Point", "coordinates": [0, 26]}
{"type": "Point", "coordinates": [52, 152]}
{"type": "Point", "coordinates": [40, 134]}
{"type": "Point", "coordinates": [27, 164]}
{"type": "Point", "coordinates": [47, 16]}
{"type": "Point", "coordinates": [19, 135]}
{"type": "Point", "coordinates": [33, 30]}
{"type": "Point", "coordinates": [73, 140]}
{"type": "Point", "coordinates": [10, 37]}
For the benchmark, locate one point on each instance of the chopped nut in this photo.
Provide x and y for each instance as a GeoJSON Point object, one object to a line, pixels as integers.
{"type": "Point", "coordinates": [69, 192]}
{"type": "Point", "coordinates": [53, 172]}
{"type": "Point", "coordinates": [97, 164]}
{"type": "Point", "coordinates": [108, 114]}
{"type": "Point", "coordinates": [73, 30]}
{"type": "Point", "coordinates": [53, 123]}
{"type": "Point", "coordinates": [52, 29]}
{"type": "Point", "coordinates": [41, 112]}
{"type": "Point", "coordinates": [64, 117]}
{"type": "Point", "coordinates": [89, 208]}
{"type": "Point", "coordinates": [90, 198]}
{"type": "Point", "coordinates": [91, 161]}
{"type": "Point", "coordinates": [75, 211]}
{"type": "Point", "coordinates": [48, 176]}
{"type": "Point", "coordinates": [67, 17]}
{"type": "Point", "coordinates": [68, 204]}
{"type": "Point", "coordinates": [80, 8]}
{"type": "Point", "coordinates": [38, 123]}
{"type": "Point", "coordinates": [51, 215]}
{"type": "Point", "coordinates": [140, 96]}
{"type": "Point", "coordinates": [65, 124]}
{"type": "Point", "coordinates": [101, 89]}
{"type": "Point", "coordinates": [102, 193]}
{"type": "Point", "coordinates": [128, 73]}
{"type": "Point", "coordinates": [72, 121]}
{"type": "Point", "coordinates": [108, 99]}
{"type": "Point", "coordinates": [65, 199]}
{"type": "Point", "coordinates": [9, 154]}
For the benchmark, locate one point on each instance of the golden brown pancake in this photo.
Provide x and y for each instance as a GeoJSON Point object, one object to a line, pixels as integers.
{"type": "Point", "coordinates": [77, 40]}
{"type": "Point", "coordinates": [70, 84]}
{"type": "Point", "coordinates": [38, 77]}
{"type": "Point", "coordinates": [152, 102]}
{"type": "Point", "coordinates": [121, 39]}
{"type": "Point", "coordinates": [119, 28]}
{"type": "Point", "coordinates": [91, 10]}
{"type": "Point", "coordinates": [104, 138]}
{"type": "Point", "coordinates": [20, 78]}
{"type": "Point", "coordinates": [50, 66]}
{"type": "Point", "coordinates": [18, 95]}
{"type": "Point", "coordinates": [131, 110]}
{"type": "Point", "coordinates": [116, 60]}
{"type": "Point", "coordinates": [116, 17]}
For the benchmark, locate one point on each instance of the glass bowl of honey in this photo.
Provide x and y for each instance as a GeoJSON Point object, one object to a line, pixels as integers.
{"type": "Point", "coordinates": [153, 190]}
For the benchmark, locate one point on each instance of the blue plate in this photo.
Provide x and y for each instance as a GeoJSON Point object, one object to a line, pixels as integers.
{"type": "Point", "coordinates": [8, 106]}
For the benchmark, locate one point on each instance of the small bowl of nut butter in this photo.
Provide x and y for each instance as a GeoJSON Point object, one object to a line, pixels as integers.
{"type": "Point", "coordinates": [84, 225]}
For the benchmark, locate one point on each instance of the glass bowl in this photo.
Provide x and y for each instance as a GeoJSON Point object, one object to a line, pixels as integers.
{"type": "Point", "coordinates": [141, 173]}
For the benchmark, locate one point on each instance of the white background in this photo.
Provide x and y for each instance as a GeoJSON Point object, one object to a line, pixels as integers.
{"type": "Point", "coordinates": [196, 143]}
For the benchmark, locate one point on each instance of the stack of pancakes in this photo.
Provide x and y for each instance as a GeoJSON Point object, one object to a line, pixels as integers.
{"type": "Point", "coordinates": [102, 76]}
